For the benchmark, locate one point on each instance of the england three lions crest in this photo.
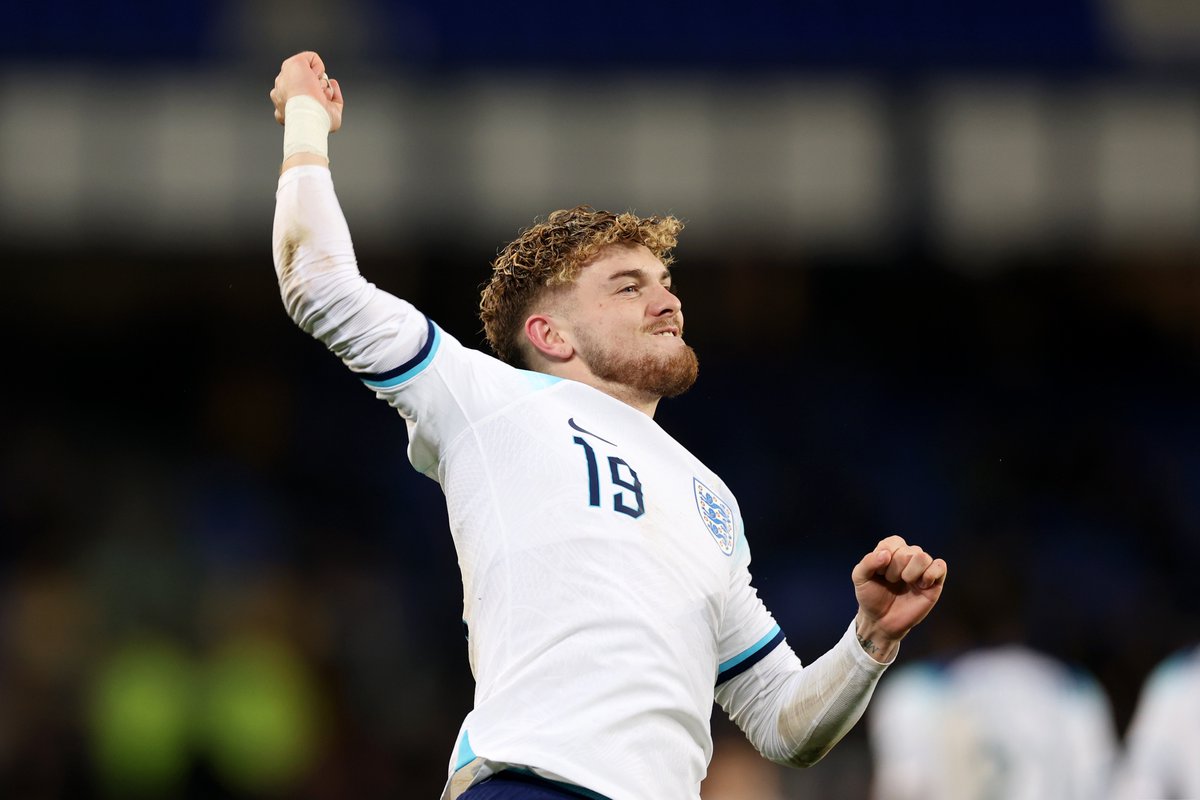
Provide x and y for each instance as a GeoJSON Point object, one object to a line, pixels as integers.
{"type": "Point", "coordinates": [716, 516]}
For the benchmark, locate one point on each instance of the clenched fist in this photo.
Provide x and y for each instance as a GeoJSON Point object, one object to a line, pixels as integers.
{"type": "Point", "coordinates": [304, 74]}
{"type": "Point", "coordinates": [897, 584]}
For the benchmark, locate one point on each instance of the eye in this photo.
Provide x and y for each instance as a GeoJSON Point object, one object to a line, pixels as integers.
{"type": "Point", "coordinates": [631, 288]}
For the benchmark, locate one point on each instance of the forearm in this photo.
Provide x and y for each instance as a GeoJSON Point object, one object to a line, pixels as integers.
{"type": "Point", "coordinates": [322, 290]}
{"type": "Point", "coordinates": [320, 284]}
{"type": "Point", "coordinates": [795, 714]}
{"type": "Point", "coordinates": [303, 160]}
{"type": "Point", "coordinates": [314, 256]}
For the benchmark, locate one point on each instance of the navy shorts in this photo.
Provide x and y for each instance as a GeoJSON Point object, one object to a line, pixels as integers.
{"type": "Point", "coordinates": [519, 786]}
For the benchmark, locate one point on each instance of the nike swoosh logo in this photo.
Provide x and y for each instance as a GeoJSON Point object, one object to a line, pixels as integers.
{"type": "Point", "coordinates": [571, 422]}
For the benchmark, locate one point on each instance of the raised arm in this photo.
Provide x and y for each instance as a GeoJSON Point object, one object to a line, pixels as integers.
{"type": "Point", "coordinates": [322, 290]}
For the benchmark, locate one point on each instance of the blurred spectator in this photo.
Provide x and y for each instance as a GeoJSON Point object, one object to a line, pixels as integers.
{"type": "Point", "coordinates": [990, 717]}
{"type": "Point", "coordinates": [1003, 722]}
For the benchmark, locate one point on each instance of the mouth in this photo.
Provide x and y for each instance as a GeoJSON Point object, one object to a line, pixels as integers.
{"type": "Point", "coordinates": [672, 333]}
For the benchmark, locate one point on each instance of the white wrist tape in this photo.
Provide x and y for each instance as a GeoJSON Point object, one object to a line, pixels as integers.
{"type": "Point", "coordinates": [305, 127]}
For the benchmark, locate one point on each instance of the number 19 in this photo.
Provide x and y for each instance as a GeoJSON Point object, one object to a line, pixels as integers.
{"type": "Point", "coordinates": [616, 466]}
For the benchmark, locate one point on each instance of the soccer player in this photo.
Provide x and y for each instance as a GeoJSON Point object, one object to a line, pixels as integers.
{"type": "Point", "coordinates": [995, 722]}
{"type": "Point", "coordinates": [1162, 746]}
{"type": "Point", "coordinates": [606, 588]}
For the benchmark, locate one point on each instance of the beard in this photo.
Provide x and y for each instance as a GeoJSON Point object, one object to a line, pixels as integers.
{"type": "Point", "coordinates": [657, 374]}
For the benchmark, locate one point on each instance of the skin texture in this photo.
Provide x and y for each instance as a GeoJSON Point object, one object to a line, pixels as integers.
{"type": "Point", "coordinates": [601, 330]}
{"type": "Point", "coordinates": [607, 330]}
{"type": "Point", "coordinates": [304, 73]}
{"type": "Point", "coordinates": [897, 584]}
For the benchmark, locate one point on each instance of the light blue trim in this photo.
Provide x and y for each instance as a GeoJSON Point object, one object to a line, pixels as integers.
{"type": "Point", "coordinates": [749, 651]}
{"type": "Point", "coordinates": [539, 380]}
{"type": "Point", "coordinates": [413, 371]}
{"type": "Point", "coordinates": [465, 754]}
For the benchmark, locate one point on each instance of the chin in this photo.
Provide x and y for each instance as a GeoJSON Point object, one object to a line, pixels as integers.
{"type": "Point", "coordinates": [665, 377]}
{"type": "Point", "coordinates": [660, 370]}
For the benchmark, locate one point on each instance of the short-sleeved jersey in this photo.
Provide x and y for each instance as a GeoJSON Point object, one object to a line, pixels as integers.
{"type": "Point", "coordinates": [604, 568]}
{"type": "Point", "coordinates": [1004, 722]}
{"type": "Point", "coordinates": [1162, 752]}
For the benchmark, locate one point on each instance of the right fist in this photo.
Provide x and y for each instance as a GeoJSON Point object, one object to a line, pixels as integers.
{"type": "Point", "coordinates": [304, 73]}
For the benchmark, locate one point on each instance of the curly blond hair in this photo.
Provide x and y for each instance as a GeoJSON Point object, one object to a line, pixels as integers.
{"type": "Point", "coordinates": [550, 254]}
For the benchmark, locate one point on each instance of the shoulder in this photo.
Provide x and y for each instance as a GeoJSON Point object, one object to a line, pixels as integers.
{"type": "Point", "coordinates": [1177, 672]}
{"type": "Point", "coordinates": [460, 368]}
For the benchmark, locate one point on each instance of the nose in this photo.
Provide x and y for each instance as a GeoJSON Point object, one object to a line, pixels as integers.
{"type": "Point", "coordinates": [664, 302]}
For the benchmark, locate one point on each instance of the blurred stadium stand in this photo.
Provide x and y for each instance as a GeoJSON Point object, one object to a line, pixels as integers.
{"type": "Point", "coordinates": [952, 248]}
{"type": "Point", "coordinates": [1012, 125]}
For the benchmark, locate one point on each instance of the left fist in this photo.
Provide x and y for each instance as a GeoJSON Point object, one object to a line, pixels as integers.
{"type": "Point", "coordinates": [897, 584]}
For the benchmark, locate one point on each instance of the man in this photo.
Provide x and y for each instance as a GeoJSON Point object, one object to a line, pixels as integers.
{"type": "Point", "coordinates": [999, 721]}
{"type": "Point", "coordinates": [606, 588]}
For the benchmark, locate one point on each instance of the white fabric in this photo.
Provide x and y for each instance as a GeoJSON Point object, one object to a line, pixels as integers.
{"type": "Point", "coordinates": [600, 604]}
{"type": "Point", "coordinates": [1162, 752]}
{"type": "Point", "coordinates": [996, 723]}
{"type": "Point", "coordinates": [795, 715]}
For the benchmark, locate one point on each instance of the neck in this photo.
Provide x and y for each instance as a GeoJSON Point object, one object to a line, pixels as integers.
{"type": "Point", "coordinates": [645, 402]}
{"type": "Point", "coordinates": [642, 401]}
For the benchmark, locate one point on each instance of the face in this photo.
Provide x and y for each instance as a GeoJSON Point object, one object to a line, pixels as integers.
{"type": "Point", "coordinates": [626, 325]}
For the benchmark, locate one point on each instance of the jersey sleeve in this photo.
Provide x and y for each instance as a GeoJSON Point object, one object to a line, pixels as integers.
{"type": "Point", "coordinates": [439, 386]}
{"type": "Point", "coordinates": [792, 713]}
{"type": "Point", "coordinates": [748, 631]}
{"type": "Point", "coordinates": [319, 282]}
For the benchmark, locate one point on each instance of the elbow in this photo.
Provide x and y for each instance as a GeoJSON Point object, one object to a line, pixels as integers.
{"type": "Point", "coordinates": [313, 306]}
{"type": "Point", "coordinates": [804, 756]}
{"type": "Point", "coordinates": [296, 303]}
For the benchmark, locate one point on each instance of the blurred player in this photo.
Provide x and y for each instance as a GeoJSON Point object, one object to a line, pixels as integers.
{"type": "Point", "coordinates": [605, 569]}
{"type": "Point", "coordinates": [997, 723]}
{"type": "Point", "coordinates": [1162, 746]}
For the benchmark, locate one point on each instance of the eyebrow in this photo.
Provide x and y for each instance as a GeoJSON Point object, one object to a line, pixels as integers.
{"type": "Point", "coordinates": [639, 273]}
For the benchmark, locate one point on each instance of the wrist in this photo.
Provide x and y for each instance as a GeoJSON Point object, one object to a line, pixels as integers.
{"type": "Point", "coordinates": [874, 641]}
{"type": "Point", "coordinates": [306, 126]}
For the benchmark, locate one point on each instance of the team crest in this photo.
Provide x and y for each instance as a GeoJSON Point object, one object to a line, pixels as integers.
{"type": "Point", "coordinates": [716, 516]}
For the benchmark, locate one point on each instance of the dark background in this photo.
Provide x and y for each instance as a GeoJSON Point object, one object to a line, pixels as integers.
{"type": "Point", "coordinates": [219, 576]}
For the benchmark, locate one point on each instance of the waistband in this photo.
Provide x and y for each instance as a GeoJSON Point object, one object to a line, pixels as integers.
{"type": "Point", "coordinates": [552, 788]}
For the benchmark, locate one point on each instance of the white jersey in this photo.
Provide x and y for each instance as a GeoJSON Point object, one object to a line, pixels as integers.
{"type": "Point", "coordinates": [1004, 723]}
{"type": "Point", "coordinates": [1162, 750]}
{"type": "Point", "coordinates": [606, 589]}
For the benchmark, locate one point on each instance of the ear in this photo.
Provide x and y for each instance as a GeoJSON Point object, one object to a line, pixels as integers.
{"type": "Point", "coordinates": [543, 333]}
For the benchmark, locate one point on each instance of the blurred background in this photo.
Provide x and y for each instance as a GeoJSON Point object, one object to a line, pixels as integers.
{"type": "Point", "coordinates": [941, 269]}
